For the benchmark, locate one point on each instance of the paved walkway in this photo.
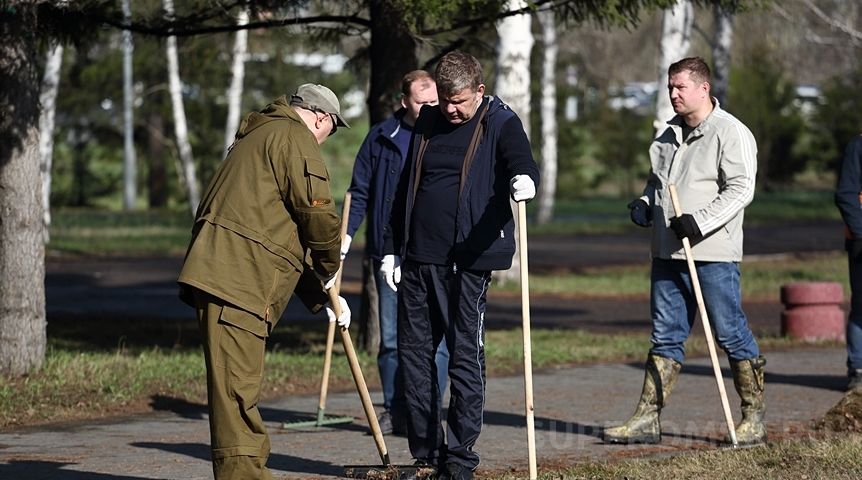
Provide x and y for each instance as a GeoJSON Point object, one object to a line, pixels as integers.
{"type": "Point", "coordinates": [572, 407]}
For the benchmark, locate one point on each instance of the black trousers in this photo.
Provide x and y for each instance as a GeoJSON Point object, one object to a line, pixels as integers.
{"type": "Point", "coordinates": [433, 302]}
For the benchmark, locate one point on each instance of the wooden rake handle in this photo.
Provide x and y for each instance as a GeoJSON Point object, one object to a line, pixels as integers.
{"type": "Point", "coordinates": [330, 333]}
{"type": "Point", "coordinates": [710, 343]}
{"type": "Point", "coordinates": [528, 355]}
{"type": "Point", "coordinates": [359, 380]}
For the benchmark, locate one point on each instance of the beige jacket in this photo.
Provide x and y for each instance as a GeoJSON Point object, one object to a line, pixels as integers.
{"type": "Point", "coordinates": [714, 171]}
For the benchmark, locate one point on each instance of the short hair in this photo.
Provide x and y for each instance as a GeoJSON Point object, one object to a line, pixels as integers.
{"type": "Point", "coordinates": [412, 77]}
{"type": "Point", "coordinates": [696, 67]}
{"type": "Point", "coordinates": [458, 71]}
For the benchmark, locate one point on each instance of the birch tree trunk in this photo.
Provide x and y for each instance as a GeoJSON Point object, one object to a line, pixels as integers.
{"type": "Point", "coordinates": [130, 161]}
{"type": "Point", "coordinates": [674, 44]}
{"type": "Point", "coordinates": [721, 53]}
{"type": "Point", "coordinates": [22, 247]}
{"type": "Point", "coordinates": [180, 126]}
{"type": "Point", "coordinates": [513, 84]}
{"type": "Point", "coordinates": [548, 191]}
{"type": "Point", "coordinates": [48, 101]}
{"type": "Point", "coordinates": [234, 92]}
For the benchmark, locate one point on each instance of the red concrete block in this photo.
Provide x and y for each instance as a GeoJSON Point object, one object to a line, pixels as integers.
{"type": "Point", "coordinates": [812, 293]}
{"type": "Point", "coordinates": [814, 322]}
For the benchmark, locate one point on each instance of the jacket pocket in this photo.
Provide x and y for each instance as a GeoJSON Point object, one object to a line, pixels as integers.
{"type": "Point", "coordinates": [318, 182]}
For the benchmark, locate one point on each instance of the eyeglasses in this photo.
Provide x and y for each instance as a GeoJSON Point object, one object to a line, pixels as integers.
{"type": "Point", "coordinates": [331, 119]}
{"type": "Point", "coordinates": [334, 124]}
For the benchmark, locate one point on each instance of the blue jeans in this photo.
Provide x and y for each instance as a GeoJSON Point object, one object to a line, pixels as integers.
{"type": "Point", "coordinates": [387, 355]}
{"type": "Point", "coordinates": [674, 307]}
{"type": "Point", "coordinates": [854, 320]}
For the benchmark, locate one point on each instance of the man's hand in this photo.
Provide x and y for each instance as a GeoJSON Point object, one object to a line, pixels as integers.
{"type": "Point", "coordinates": [685, 226]}
{"type": "Point", "coordinates": [522, 188]}
{"type": "Point", "coordinates": [344, 319]}
{"type": "Point", "coordinates": [345, 245]}
{"type": "Point", "coordinates": [390, 266]}
{"type": "Point", "coordinates": [640, 213]}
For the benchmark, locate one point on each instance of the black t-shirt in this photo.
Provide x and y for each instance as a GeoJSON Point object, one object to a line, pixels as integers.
{"type": "Point", "coordinates": [432, 229]}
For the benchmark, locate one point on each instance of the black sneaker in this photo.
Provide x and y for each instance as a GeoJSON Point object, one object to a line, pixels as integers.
{"type": "Point", "coordinates": [854, 379]}
{"type": "Point", "coordinates": [456, 472]}
{"type": "Point", "coordinates": [385, 422]}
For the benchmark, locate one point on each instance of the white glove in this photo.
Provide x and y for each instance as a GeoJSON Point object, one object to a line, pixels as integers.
{"type": "Point", "coordinates": [522, 188]}
{"type": "Point", "coordinates": [328, 281]}
{"type": "Point", "coordinates": [390, 266]}
{"type": "Point", "coordinates": [344, 319]}
{"type": "Point", "coordinates": [345, 245]}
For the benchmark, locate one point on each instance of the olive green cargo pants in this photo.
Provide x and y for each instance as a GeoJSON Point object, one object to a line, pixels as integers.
{"type": "Point", "coordinates": [234, 343]}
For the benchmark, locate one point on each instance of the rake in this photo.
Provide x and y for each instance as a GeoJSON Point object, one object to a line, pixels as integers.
{"type": "Point", "coordinates": [323, 420]}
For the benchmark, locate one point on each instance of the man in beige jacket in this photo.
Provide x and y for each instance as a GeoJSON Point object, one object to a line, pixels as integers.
{"type": "Point", "coordinates": [266, 227]}
{"type": "Point", "coordinates": [711, 157]}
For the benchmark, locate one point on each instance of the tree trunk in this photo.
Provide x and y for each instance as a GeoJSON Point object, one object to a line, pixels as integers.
{"type": "Point", "coordinates": [548, 190]}
{"type": "Point", "coordinates": [157, 179]}
{"type": "Point", "coordinates": [130, 161]}
{"type": "Point", "coordinates": [180, 126]}
{"type": "Point", "coordinates": [721, 53]}
{"type": "Point", "coordinates": [22, 248]}
{"type": "Point", "coordinates": [48, 101]}
{"type": "Point", "coordinates": [392, 54]}
{"type": "Point", "coordinates": [513, 84]}
{"type": "Point", "coordinates": [234, 92]}
{"type": "Point", "coordinates": [675, 40]}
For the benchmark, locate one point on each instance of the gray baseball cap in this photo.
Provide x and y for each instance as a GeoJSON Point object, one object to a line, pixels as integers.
{"type": "Point", "coordinates": [320, 99]}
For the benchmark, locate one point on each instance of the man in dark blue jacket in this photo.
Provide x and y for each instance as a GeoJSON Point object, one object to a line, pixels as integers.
{"type": "Point", "coordinates": [848, 198]}
{"type": "Point", "coordinates": [375, 178]}
{"type": "Point", "coordinates": [452, 225]}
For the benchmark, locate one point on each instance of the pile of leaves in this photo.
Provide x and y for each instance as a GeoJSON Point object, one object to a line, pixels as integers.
{"type": "Point", "coordinates": [846, 415]}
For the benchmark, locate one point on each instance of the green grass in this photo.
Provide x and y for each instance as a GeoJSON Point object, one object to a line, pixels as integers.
{"type": "Point", "coordinates": [104, 232]}
{"type": "Point", "coordinates": [761, 277]}
{"type": "Point", "coordinates": [827, 457]}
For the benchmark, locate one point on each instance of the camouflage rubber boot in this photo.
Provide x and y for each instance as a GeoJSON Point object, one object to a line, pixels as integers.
{"type": "Point", "coordinates": [644, 426]}
{"type": "Point", "coordinates": [748, 379]}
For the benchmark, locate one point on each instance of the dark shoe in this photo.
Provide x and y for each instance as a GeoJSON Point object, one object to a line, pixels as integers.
{"type": "Point", "coordinates": [854, 379]}
{"type": "Point", "coordinates": [385, 422]}
{"type": "Point", "coordinates": [424, 469]}
{"type": "Point", "coordinates": [455, 471]}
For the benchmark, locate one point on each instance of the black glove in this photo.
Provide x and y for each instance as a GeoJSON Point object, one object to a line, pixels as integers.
{"type": "Point", "coordinates": [640, 213]}
{"type": "Point", "coordinates": [685, 226]}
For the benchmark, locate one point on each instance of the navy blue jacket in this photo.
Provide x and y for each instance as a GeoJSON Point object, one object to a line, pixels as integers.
{"type": "Point", "coordinates": [850, 187]}
{"type": "Point", "coordinates": [485, 229]}
{"type": "Point", "coordinates": [376, 173]}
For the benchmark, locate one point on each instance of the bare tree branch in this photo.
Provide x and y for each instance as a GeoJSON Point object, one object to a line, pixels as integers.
{"type": "Point", "coordinates": [855, 35]}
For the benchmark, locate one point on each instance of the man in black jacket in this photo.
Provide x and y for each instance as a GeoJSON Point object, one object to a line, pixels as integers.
{"type": "Point", "coordinates": [452, 225]}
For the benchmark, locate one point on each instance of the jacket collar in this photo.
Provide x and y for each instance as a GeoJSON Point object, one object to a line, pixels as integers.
{"type": "Point", "coordinates": [677, 123]}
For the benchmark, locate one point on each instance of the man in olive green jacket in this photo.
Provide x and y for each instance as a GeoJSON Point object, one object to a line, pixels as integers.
{"type": "Point", "coordinates": [265, 228]}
